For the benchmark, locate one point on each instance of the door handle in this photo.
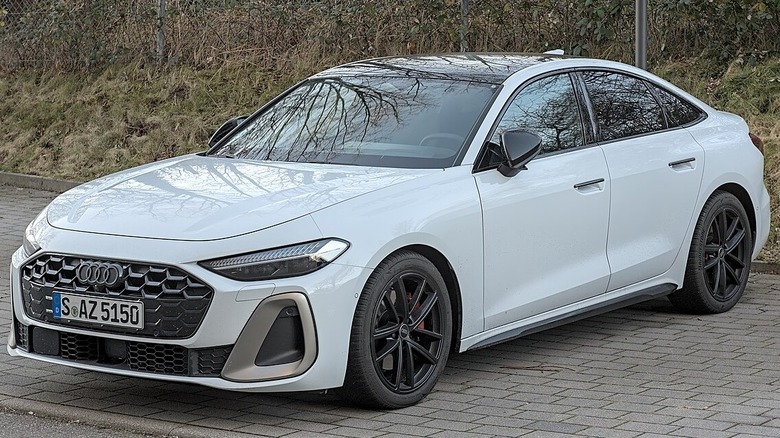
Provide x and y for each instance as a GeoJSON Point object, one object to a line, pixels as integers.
{"type": "Point", "coordinates": [588, 183]}
{"type": "Point", "coordinates": [686, 164]}
{"type": "Point", "coordinates": [589, 186]}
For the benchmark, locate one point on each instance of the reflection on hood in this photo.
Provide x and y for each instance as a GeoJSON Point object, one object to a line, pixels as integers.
{"type": "Point", "coordinates": [206, 198]}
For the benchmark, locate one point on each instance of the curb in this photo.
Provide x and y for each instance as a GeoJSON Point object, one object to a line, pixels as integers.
{"type": "Point", "coordinates": [124, 422]}
{"type": "Point", "coordinates": [765, 268]}
{"type": "Point", "coordinates": [36, 182]}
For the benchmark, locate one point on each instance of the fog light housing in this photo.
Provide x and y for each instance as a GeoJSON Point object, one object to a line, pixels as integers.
{"type": "Point", "coordinates": [284, 342]}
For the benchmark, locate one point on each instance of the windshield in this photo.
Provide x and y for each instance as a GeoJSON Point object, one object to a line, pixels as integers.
{"type": "Point", "coordinates": [367, 121]}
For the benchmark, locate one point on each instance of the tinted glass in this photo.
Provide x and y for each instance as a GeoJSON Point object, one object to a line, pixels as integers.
{"type": "Point", "coordinates": [624, 106]}
{"type": "Point", "coordinates": [370, 121]}
{"type": "Point", "coordinates": [678, 111]}
{"type": "Point", "coordinates": [548, 108]}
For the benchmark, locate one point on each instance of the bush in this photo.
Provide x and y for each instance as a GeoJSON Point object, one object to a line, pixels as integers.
{"type": "Point", "coordinates": [78, 35]}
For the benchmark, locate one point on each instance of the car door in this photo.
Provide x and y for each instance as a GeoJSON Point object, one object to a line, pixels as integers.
{"type": "Point", "coordinates": [545, 229]}
{"type": "Point", "coordinates": [655, 171]}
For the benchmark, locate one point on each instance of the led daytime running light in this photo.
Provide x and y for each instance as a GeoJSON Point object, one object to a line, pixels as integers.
{"type": "Point", "coordinates": [279, 262]}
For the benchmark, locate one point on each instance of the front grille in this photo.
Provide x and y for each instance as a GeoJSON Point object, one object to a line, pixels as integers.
{"type": "Point", "coordinates": [78, 347]}
{"type": "Point", "coordinates": [157, 358]}
{"type": "Point", "coordinates": [137, 356]}
{"type": "Point", "coordinates": [212, 360]}
{"type": "Point", "coordinates": [175, 302]}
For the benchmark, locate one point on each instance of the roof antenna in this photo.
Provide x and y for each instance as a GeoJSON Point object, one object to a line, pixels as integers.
{"type": "Point", "coordinates": [554, 52]}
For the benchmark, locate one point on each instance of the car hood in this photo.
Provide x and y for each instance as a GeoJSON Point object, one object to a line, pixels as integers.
{"type": "Point", "coordinates": [208, 198]}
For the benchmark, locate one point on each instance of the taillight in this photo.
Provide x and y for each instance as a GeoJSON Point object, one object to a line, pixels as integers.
{"type": "Point", "coordinates": [757, 142]}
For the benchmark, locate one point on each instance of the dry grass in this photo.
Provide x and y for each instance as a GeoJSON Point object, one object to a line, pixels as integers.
{"type": "Point", "coordinates": [78, 127]}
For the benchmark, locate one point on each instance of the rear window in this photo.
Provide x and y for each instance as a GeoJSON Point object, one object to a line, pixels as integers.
{"type": "Point", "coordinates": [678, 111]}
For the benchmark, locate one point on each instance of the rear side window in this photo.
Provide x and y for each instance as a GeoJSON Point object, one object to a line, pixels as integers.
{"type": "Point", "coordinates": [678, 111]}
{"type": "Point", "coordinates": [624, 106]}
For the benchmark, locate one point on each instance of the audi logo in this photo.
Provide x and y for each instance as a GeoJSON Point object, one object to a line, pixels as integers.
{"type": "Point", "coordinates": [100, 274]}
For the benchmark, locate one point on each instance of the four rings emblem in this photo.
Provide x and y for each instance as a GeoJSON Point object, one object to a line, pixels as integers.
{"type": "Point", "coordinates": [100, 274]}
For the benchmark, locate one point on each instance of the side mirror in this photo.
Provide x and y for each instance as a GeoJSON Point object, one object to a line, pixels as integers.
{"type": "Point", "coordinates": [226, 127]}
{"type": "Point", "coordinates": [519, 148]}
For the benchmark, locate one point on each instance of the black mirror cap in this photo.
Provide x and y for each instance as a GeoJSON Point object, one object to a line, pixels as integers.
{"type": "Point", "coordinates": [225, 129]}
{"type": "Point", "coordinates": [519, 148]}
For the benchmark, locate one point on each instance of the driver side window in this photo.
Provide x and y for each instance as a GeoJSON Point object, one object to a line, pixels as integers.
{"type": "Point", "coordinates": [548, 108]}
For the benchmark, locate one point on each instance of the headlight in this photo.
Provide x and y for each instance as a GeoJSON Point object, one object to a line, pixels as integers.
{"type": "Point", "coordinates": [29, 244]}
{"type": "Point", "coordinates": [288, 261]}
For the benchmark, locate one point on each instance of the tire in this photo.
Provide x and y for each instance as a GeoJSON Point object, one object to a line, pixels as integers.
{"type": "Point", "coordinates": [719, 260]}
{"type": "Point", "coordinates": [402, 317]}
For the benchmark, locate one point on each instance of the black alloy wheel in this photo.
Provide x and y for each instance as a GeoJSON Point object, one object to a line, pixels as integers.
{"type": "Point", "coordinates": [401, 334]}
{"type": "Point", "coordinates": [407, 333]}
{"type": "Point", "coordinates": [725, 252]}
{"type": "Point", "coordinates": [719, 259]}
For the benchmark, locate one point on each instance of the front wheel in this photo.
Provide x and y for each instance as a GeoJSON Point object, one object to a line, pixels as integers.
{"type": "Point", "coordinates": [401, 334]}
{"type": "Point", "coordinates": [719, 260]}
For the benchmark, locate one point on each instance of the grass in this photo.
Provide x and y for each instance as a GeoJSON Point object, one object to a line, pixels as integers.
{"type": "Point", "coordinates": [77, 127]}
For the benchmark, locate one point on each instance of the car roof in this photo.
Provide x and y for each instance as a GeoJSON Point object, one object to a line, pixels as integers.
{"type": "Point", "coordinates": [476, 67]}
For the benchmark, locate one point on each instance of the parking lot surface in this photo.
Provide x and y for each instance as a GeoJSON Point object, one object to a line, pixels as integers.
{"type": "Point", "coordinates": [638, 372]}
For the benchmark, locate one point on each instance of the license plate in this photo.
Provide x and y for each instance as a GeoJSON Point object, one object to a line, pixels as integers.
{"type": "Point", "coordinates": [98, 310]}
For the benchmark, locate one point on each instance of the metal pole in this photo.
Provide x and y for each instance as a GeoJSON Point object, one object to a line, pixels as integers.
{"type": "Point", "coordinates": [161, 33]}
{"type": "Point", "coordinates": [464, 25]}
{"type": "Point", "coordinates": [641, 34]}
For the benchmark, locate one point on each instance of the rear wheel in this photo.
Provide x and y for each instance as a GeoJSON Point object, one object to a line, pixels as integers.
{"type": "Point", "coordinates": [401, 334]}
{"type": "Point", "coordinates": [719, 260]}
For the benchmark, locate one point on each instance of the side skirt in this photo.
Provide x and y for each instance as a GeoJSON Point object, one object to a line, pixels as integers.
{"type": "Point", "coordinates": [575, 315]}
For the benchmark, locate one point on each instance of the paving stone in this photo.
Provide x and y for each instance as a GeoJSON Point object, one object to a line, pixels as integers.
{"type": "Point", "coordinates": [355, 433]}
{"type": "Point", "coordinates": [499, 431]}
{"type": "Point", "coordinates": [307, 434]}
{"type": "Point", "coordinates": [411, 430]}
{"type": "Point", "coordinates": [638, 426]}
{"type": "Point", "coordinates": [219, 423]}
{"type": "Point", "coordinates": [765, 431]}
{"type": "Point", "coordinates": [731, 417]}
{"type": "Point", "coordinates": [693, 432]}
{"type": "Point", "coordinates": [558, 427]}
{"type": "Point", "coordinates": [450, 425]}
{"type": "Point", "coordinates": [703, 424]}
{"type": "Point", "coordinates": [456, 416]}
{"type": "Point", "coordinates": [601, 432]}
{"type": "Point", "coordinates": [457, 434]}
{"type": "Point", "coordinates": [274, 431]}
{"type": "Point", "coordinates": [594, 421]}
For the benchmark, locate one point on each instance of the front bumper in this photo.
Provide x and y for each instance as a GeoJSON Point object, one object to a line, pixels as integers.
{"type": "Point", "coordinates": [240, 321]}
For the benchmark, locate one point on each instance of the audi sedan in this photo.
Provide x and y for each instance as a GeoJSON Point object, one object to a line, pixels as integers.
{"type": "Point", "coordinates": [381, 215]}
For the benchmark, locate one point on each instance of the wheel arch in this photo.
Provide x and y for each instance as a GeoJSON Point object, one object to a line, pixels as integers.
{"type": "Point", "coordinates": [453, 287]}
{"type": "Point", "coordinates": [747, 203]}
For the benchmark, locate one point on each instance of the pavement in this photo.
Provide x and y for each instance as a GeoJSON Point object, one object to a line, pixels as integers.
{"type": "Point", "coordinates": [643, 371]}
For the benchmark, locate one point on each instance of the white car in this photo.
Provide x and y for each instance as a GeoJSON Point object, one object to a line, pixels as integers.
{"type": "Point", "coordinates": [381, 215]}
